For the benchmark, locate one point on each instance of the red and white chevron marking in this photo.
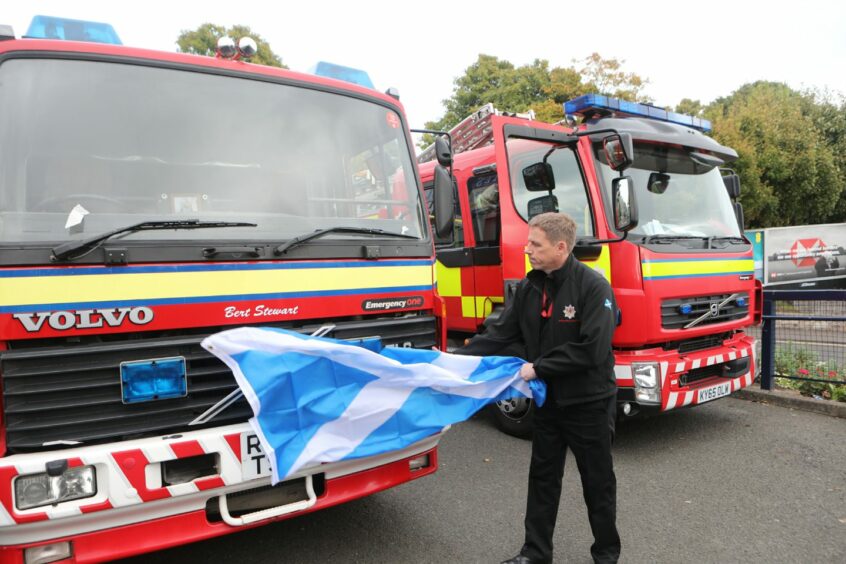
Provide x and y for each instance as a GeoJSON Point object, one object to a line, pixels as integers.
{"type": "Point", "coordinates": [684, 398]}
{"type": "Point", "coordinates": [124, 473]}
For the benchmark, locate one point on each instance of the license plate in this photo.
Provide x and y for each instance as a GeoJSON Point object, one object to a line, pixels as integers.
{"type": "Point", "coordinates": [254, 463]}
{"type": "Point", "coordinates": [713, 392]}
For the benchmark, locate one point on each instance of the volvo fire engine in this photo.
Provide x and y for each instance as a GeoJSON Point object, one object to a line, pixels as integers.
{"type": "Point", "coordinates": [654, 207]}
{"type": "Point", "coordinates": [147, 200]}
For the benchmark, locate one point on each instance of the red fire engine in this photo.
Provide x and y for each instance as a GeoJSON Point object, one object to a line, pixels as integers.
{"type": "Point", "coordinates": [655, 215]}
{"type": "Point", "coordinates": [149, 199]}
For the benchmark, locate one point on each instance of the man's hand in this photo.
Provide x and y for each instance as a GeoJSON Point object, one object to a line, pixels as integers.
{"type": "Point", "coordinates": [527, 372]}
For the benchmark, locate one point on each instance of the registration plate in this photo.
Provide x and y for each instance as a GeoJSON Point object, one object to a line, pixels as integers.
{"type": "Point", "coordinates": [254, 463]}
{"type": "Point", "coordinates": [713, 392]}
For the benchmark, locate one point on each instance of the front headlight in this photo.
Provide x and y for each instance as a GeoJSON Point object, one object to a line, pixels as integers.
{"type": "Point", "coordinates": [35, 490]}
{"type": "Point", "coordinates": [647, 380]}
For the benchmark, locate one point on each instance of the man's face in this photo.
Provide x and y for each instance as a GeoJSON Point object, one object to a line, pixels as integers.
{"type": "Point", "coordinates": [543, 254]}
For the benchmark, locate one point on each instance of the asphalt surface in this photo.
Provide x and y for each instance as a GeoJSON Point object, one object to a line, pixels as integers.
{"type": "Point", "coordinates": [730, 481]}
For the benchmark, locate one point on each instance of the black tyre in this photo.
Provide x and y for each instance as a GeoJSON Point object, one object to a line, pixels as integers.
{"type": "Point", "coordinates": [514, 417]}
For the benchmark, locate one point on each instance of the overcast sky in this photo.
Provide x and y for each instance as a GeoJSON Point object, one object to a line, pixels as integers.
{"type": "Point", "coordinates": [700, 50]}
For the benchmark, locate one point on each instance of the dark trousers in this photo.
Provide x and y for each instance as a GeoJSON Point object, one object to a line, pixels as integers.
{"type": "Point", "coordinates": [587, 430]}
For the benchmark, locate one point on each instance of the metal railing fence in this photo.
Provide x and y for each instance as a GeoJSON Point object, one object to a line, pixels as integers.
{"type": "Point", "coordinates": [803, 336]}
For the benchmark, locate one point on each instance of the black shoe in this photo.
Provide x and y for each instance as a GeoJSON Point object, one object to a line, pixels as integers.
{"type": "Point", "coordinates": [520, 559]}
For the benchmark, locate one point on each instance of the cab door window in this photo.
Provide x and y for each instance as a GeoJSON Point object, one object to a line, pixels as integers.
{"type": "Point", "coordinates": [484, 209]}
{"type": "Point", "coordinates": [570, 190]}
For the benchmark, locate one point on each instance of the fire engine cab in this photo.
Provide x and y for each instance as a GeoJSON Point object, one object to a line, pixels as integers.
{"type": "Point", "coordinates": [150, 199]}
{"type": "Point", "coordinates": [657, 215]}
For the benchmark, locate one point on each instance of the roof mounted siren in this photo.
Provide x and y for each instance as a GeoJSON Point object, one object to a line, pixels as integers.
{"type": "Point", "coordinates": [597, 105]}
{"type": "Point", "coordinates": [246, 48]}
{"type": "Point", "coordinates": [51, 27]}
{"type": "Point", "coordinates": [347, 74]}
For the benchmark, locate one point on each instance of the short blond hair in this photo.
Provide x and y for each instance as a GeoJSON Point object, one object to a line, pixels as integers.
{"type": "Point", "coordinates": [557, 226]}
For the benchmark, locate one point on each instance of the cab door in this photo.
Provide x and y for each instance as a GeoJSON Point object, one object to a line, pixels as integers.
{"type": "Point", "coordinates": [485, 219]}
{"type": "Point", "coordinates": [519, 146]}
{"type": "Point", "coordinates": [469, 269]}
{"type": "Point", "coordinates": [452, 267]}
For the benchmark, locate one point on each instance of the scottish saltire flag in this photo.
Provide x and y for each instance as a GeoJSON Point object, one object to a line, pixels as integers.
{"type": "Point", "coordinates": [323, 400]}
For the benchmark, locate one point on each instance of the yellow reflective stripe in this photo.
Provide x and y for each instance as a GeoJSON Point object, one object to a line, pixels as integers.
{"type": "Point", "coordinates": [602, 264]}
{"type": "Point", "coordinates": [449, 280]}
{"type": "Point", "coordinates": [683, 268]}
{"type": "Point", "coordinates": [83, 288]}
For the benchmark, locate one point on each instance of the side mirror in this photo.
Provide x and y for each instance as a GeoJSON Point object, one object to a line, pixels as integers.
{"type": "Point", "coordinates": [658, 182]}
{"type": "Point", "coordinates": [443, 152]}
{"type": "Point", "coordinates": [538, 177]}
{"type": "Point", "coordinates": [732, 183]}
{"type": "Point", "coordinates": [444, 203]}
{"type": "Point", "coordinates": [624, 203]}
{"type": "Point", "coordinates": [619, 150]}
{"type": "Point", "coordinates": [544, 204]}
{"type": "Point", "coordinates": [738, 212]}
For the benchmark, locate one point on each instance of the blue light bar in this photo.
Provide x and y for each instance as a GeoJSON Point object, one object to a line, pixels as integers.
{"type": "Point", "coordinates": [584, 105]}
{"type": "Point", "coordinates": [340, 72]}
{"type": "Point", "coordinates": [147, 380]}
{"type": "Point", "coordinates": [49, 27]}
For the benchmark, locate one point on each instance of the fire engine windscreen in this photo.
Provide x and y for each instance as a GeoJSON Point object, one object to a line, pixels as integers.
{"type": "Point", "coordinates": [132, 143]}
{"type": "Point", "coordinates": [676, 195]}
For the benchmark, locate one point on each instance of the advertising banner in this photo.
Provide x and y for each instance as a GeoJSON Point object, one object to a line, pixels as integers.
{"type": "Point", "coordinates": [806, 256]}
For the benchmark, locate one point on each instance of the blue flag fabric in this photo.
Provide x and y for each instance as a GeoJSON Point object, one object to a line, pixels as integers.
{"type": "Point", "coordinates": [322, 400]}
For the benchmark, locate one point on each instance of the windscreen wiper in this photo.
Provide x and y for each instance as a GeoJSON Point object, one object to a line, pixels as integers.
{"type": "Point", "coordinates": [287, 245]}
{"type": "Point", "coordinates": [667, 238]}
{"type": "Point", "coordinates": [66, 250]}
{"type": "Point", "coordinates": [731, 239]}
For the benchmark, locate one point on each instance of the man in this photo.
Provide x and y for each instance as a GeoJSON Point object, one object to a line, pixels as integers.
{"type": "Point", "coordinates": [563, 314]}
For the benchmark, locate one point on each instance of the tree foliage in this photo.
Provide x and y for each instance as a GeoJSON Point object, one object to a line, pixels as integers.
{"type": "Point", "coordinates": [535, 86]}
{"type": "Point", "coordinates": [788, 168]}
{"type": "Point", "coordinates": [203, 41]}
{"type": "Point", "coordinates": [606, 76]}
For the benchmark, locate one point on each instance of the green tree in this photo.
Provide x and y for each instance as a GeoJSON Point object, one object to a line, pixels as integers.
{"type": "Point", "coordinates": [203, 41]}
{"type": "Point", "coordinates": [690, 107]}
{"type": "Point", "coordinates": [828, 111]}
{"type": "Point", "coordinates": [606, 76]}
{"type": "Point", "coordinates": [787, 167]}
{"type": "Point", "coordinates": [534, 86]}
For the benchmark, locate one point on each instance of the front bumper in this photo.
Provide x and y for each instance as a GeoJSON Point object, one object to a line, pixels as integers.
{"type": "Point", "coordinates": [128, 505]}
{"type": "Point", "coordinates": [716, 372]}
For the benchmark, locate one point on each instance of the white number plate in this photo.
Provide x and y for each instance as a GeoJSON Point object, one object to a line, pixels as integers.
{"type": "Point", "coordinates": [713, 392]}
{"type": "Point", "coordinates": [254, 463]}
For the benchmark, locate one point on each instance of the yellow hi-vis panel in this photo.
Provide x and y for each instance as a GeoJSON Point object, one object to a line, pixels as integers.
{"type": "Point", "coordinates": [174, 283]}
{"type": "Point", "coordinates": [449, 280]}
{"type": "Point", "coordinates": [602, 264]}
{"type": "Point", "coordinates": [693, 268]}
{"type": "Point", "coordinates": [449, 285]}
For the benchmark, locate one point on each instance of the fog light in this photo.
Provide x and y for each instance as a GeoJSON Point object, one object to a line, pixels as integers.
{"type": "Point", "coordinates": [418, 463]}
{"type": "Point", "coordinates": [627, 408]}
{"type": "Point", "coordinates": [35, 490]}
{"type": "Point", "coordinates": [47, 553]}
